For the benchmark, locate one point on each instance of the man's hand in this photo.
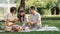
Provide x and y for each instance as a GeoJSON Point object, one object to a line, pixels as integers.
{"type": "Point", "coordinates": [32, 22]}
{"type": "Point", "coordinates": [29, 23]}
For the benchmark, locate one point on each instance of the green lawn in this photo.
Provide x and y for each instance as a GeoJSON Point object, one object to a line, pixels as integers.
{"type": "Point", "coordinates": [35, 32]}
{"type": "Point", "coordinates": [46, 22]}
{"type": "Point", "coordinates": [50, 22]}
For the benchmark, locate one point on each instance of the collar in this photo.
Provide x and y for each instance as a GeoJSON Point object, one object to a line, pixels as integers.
{"type": "Point", "coordinates": [35, 13]}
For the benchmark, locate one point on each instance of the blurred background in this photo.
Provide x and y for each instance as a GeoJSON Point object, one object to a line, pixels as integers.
{"type": "Point", "coordinates": [49, 9]}
{"type": "Point", "coordinates": [43, 6]}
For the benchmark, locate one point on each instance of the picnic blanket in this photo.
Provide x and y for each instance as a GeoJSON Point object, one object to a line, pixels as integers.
{"type": "Point", "coordinates": [49, 28]}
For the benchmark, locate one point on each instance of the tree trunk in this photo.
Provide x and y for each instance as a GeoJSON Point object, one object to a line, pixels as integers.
{"type": "Point", "coordinates": [21, 7]}
{"type": "Point", "coordinates": [22, 4]}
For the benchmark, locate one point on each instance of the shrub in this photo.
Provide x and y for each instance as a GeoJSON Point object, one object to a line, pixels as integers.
{"type": "Point", "coordinates": [40, 10]}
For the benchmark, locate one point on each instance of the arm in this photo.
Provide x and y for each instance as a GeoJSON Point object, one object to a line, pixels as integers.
{"type": "Point", "coordinates": [39, 21]}
{"type": "Point", "coordinates": [27, 19]}
{"type": "Point", "coordinates": [11, 18]}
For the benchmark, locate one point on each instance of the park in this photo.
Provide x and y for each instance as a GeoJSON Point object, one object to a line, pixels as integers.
{"type": "Point", "coordinates": [48, 9]}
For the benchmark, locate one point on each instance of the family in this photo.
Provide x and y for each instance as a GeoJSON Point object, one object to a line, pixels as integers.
{"type": "Point", "coordinates": [26, 23]}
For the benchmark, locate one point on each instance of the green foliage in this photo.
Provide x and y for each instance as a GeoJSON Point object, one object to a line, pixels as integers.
{"type": "Point", "coordinates": [40, 4]}
{"type": "Point", "coordinates": [48, 4]}
{"type": "Point", "coordinates": [0, 28]}
{"type": "Point", "coordinates": [1, 10]}
{"type": "Point", "coordinates": [18, 3]}
{"type": "Point", "coordinates": [40, 10]}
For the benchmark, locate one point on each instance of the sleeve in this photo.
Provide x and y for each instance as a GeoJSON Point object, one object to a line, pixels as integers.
{"type": "Point", "coordinates": [27, 19]}
{"type": "Point", "coordinates": [8, 16]}
{"type": "Point", "coordinates": [30, 18]}
{"type": "Point", "coordinates": [39, 20]}
{"type": "Point", "coordinates": [39, 17]}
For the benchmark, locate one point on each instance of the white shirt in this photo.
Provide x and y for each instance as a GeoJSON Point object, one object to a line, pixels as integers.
{"type": "Point", "coordinates": [9, 15]}
{"type": "Point", "coordinates": [35, 18]}
{"type": "Point", "coordinates": [25, 20]}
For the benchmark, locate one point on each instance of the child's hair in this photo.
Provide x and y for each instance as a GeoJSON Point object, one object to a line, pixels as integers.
{"type": "Point", "coordinates": [12, 9]}
{"type": "Point", "coordinates": [21, 16]}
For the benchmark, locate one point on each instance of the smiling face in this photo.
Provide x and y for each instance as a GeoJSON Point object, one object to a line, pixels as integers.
{"type": "Point", "coordinates": [32, 11]}
{"type": "Point", "coordinates": [22, 13]}
{"type": "Point", "coordinates": [14, 12]}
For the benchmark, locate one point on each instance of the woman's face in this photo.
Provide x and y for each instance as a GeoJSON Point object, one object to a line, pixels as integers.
{"type": "Point", "coordinates": [22, 13]}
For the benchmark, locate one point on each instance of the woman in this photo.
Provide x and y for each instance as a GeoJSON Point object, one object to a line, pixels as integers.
{"type": "Point", "coordinates": [23, 19]}
{"type": "Point", "coordinates": [10, 20]}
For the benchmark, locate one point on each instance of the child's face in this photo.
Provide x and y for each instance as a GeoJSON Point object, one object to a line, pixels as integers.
{"type": "Point", "coordinates": [13, 12]}
{"type": "Point", "coordinates": [22, 13]}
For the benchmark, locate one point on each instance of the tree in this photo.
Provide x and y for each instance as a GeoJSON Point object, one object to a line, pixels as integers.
{"type": "Point", "coordinates": [22, 4]}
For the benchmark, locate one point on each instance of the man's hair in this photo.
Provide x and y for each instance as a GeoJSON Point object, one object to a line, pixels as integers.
{"type": "Point", "coordinates": [12, 9]}
{"type": "Point", "coordinates": [33, 7]}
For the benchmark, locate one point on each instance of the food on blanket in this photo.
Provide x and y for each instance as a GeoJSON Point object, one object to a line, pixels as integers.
{"type": "Point", "coordinates": [27, 28]}
{"type": "Point", "coordinates": [17, 28]}
{"type": "Point", "coordinates": [11, 27]}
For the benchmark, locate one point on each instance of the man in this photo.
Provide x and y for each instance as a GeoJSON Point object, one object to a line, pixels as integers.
{"type": "Point", "coordinates": [35, 18]}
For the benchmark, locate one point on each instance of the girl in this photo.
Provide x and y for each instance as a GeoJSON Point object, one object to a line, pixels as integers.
{"type": "Point", "coordinates": [23, 19]}
{"type": "Point", "coordinates": [10, 20]}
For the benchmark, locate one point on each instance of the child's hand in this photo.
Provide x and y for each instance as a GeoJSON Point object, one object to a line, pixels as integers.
{"type": "Point", "coordinates": [31, 22]}
{"type": "Point", "coordinates": [16, 19]}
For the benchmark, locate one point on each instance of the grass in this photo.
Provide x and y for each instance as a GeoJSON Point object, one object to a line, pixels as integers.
{"type": "Point", "coordinates": [44, 22]}
{"type": "Point", "coordinates": [44, 32]}
{"type": "Point", "coordinates": [51, 23]}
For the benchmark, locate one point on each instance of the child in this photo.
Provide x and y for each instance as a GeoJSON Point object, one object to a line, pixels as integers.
{"type": "Point", "coordinates": [10, 16]}
{"type": "Point", "coordinates": [10, 20]}
{"type": "Point", "coordinates": [23, 19]}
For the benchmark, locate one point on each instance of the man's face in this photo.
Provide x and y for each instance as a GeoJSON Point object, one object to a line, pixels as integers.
{"type": "Point", "coordinates": [32, 11]}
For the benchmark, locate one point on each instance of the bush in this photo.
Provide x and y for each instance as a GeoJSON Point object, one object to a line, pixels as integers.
{"type": "Point", "coordinates": [40, 10]}
{"type": "Point", "coordinates": [27, 11]}
{"type": "Point", "coordinates": [0, 28]}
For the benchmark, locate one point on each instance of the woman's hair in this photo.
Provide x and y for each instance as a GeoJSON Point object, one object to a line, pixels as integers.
{"type": "Point", "coordinates": [19, 16]}
{"type": "Point", "coordinates": [12, 9]}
